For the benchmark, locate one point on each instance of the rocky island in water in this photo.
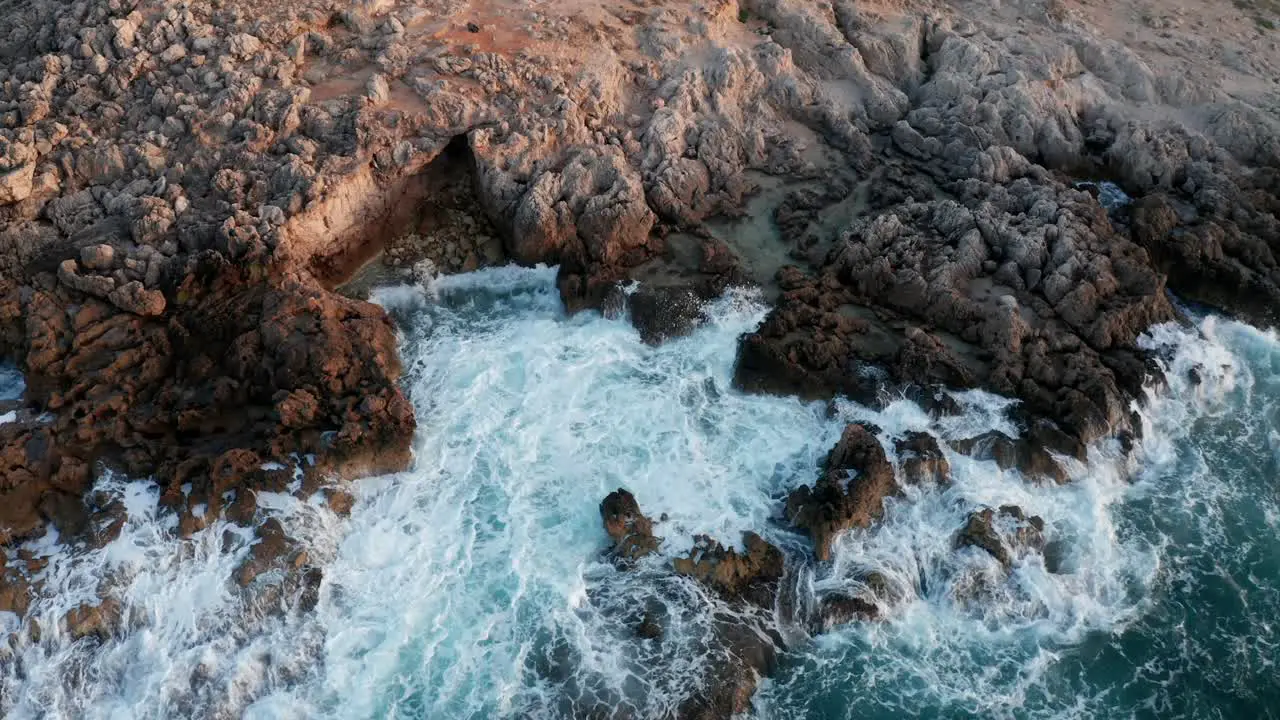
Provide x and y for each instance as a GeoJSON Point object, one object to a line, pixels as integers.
{"type": "Point", "coordinates": [639, 359]}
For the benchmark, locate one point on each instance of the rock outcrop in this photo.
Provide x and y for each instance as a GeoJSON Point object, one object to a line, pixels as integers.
{"type": "Point", "coordinates": [1002, 533]}
{"type": "Point", "coordinates": [238, 374]}
{"type": "Point", "coordinates": [184, 185]}
{"type": "Point", "coordinates": [855, 481]}
{"type": "Point", "coordinates": [628, 527]}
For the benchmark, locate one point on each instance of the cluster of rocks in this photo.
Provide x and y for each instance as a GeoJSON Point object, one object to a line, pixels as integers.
{"type": "Point", "coordinates": [749, 580]}
{"type": "Point", "coordinates": [856, 480]}
{"type": "Point", "coordinates": [184, 184]}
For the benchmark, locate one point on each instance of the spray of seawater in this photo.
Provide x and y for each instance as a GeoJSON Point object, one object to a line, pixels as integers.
{"type": "Point", "coordinates": [1122, 628]}
{"type": "Point", "coordinates": [472, 585]}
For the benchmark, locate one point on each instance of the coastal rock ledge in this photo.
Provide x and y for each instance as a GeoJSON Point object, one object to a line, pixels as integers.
{"type": "Point", "coordinates": [196, 197]}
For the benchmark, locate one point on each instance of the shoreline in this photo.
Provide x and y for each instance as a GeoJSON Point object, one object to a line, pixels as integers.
{"type": "Point", "coordinates": [186, 190]}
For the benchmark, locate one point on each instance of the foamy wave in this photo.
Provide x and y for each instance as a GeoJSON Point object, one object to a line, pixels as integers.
{"type": "Point", "coordinates": [471, 586]}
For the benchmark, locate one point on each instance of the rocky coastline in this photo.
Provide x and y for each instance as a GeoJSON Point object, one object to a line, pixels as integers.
{"type": "Point", "coordinates": [196, 197]}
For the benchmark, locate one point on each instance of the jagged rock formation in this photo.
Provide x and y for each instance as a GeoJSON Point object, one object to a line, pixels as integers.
{"type": "Point", "coordinates": [851, 492]}
{"type": "Point", "coordinates": [920, 154]}
{"type": "Point", "coordinates": [981, 531]}
{"type": "Point", "coordinates": [628, 527]}
{"type": "Point", "coordinates": [184, 185]}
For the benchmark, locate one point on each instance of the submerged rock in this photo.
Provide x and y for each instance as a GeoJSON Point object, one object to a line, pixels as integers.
{"type": "Point", "coordinates": [744, 642]}
{"type": "Point", "coordinates": [649, 628]}
{"type": "Point", "coordinates": [268, 551]}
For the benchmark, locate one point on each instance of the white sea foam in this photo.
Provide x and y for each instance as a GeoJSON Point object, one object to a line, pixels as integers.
{"type": "Point", "coordinates": [472, 586]}
{"type": "Point", "coordinates": [11, 383]}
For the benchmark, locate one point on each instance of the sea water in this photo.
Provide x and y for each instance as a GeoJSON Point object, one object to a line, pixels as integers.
{"type": "Point", "coordinates": [474, 586]}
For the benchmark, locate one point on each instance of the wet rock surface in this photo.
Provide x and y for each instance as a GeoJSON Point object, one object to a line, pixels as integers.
{"type": "Point", "coordinates": [840, 609]}
{"type": "Point", "coordinates": [628, 527]}
{"type": "Point", "coordinates": [855, 481]}
{"type": "Point", "coordinates": [921, 460]}
{"type": "Point", "coordinates": [183, 186]}
{"type": "Point", "coordinates": [1022, 454]}
{"type": "Point", "coordinates": [752, 575]}
{"type": "Point", "coordinates": [743, 639]}
{"type": "Point", "coordinates": [982, 530]}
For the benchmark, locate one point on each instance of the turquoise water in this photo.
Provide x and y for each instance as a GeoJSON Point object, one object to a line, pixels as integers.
{"type": "Point", "coordinates": [1201, 638]}
{"type": "Point", "coordinates": [11, 384]}
{"type": "Point", "coordinates": [472, 586]}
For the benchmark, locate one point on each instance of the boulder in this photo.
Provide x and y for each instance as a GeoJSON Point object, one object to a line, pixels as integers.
{"type": "Point", "coordinates": [921, 460]}
{"type": "Point", "coordinates": [752, 574]}
{"type": "Point", "coordinates": [98, 257]}
{"type": "Point", "coordinates": [17, 171]}
{"type": "Point", "coordinates": [16, 184]}
{"type": "Point", "coordinates": [133, 297]}
{"type": "Point", "coordinates": [1022, 454]}
{"type": "Point", "coordinates": [837, 608]}
{"type": "Point", "coordinates": [660, 313]}
{"type": "Point", "coordinates": [982, 531]}
{"type": "Point", "coordinates": [851, 492]}
{"type": "Point", "coordinates": [99, 620]}
{"type": "Point", "coordinates": [629, 528]}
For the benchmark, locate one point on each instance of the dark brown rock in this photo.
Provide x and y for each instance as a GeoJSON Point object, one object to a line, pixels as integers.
{"type": "Point", "coordinates": [922, 460]}
{"type": "Point", "coordinates": [630, 530]}
{"type": "Point", "coordinates": [980, 531]}
{"type": "Point", "coordinates": [339, 501]}
{"type": "Point", "coordinates": [851, 492]}
{"type": "Point", "coordinates": [662, 313]}
{"type": "Point", "coordinates": [269, 549]}
{"type": "Point", "coordinates": [1022, 454]}
{"type": "Point", "coordinates": [750, 651]}
{"type": "Point", "coordinates": [747, 645]}
{"type": "Point", "coordinates": [132, 297]}
{"type": "Point", "coordinates": [258, 372]}
{"type": "Point", "coordinates": [836, 609]}
{"type": "Point", "coordinates": [865, 604]}
{"type": "Point", "coordinates": [309, 594]}
{"type": "Point", "coordinates": [751, 575]}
